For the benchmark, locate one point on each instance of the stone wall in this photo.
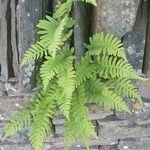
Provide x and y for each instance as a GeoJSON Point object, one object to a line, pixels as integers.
{"type": "Point", "coordinates": [125, 19]}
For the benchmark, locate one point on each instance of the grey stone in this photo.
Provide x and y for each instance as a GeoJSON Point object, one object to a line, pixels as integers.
{"type": "Point", "coordinates": [27, 19]}
{"type": "Point", "coordinates": [1, 89]}
{"type": "Point", "coordinates": [95, 113]}
{"type": "Point", "coordinates": [82, 15]}
{"type": "Point", "coordinates": [146, 67]}
{"type": "Point", "coordinates": [138, 111]}
{"type": "Point", "coordinates": [9, 105]}
{"type": "Point", "coordinates": [60, 130]}
{"type": "Point", "coordinates": [135, 40]}
{"type": "Point", "coordinates": [144, 88]}
{"type": "Point", "coordinates": [22, 146]}
{"type": "Point", "coordinates": [135, 144]}
{"type": "Point", "coordinates": [15, 147]}
{"type": "Point", "coordinates": [115, 16]}
{"type": "Point", "coordinates": [15, 58]}
{"type": "Point", "coordinates": [112, 131]}
{"type": "Point", "coordinates": [3, 41]}
{"type": "Point", "coordinates": [109, 147]}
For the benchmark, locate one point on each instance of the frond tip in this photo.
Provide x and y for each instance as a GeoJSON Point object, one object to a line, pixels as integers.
{"type": "Point", "coordinates": [42, 124]}
{"type": "Point", "coordinates": [79, 126]}
{"type": "Point", "coordinates": [19, 121]}
{"type": "Point", "coordinates": [113, 67]}
{"type": "Point", "coordinates": [124, 88]}
{"type": "Point", "coordinates": [106, 44]}
{"type": "Point", "coordinates": [93, 2]}
{"type": "Point", "coordinates": [99, 93]}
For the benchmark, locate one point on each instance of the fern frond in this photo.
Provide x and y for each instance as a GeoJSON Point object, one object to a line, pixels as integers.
{"type": "Point", "coordinates": [51, 33]}
{"type": "Point", "coordinates": [63, 9]}
{"type": "Point", "coordinates": [124, 88]}
{"type": "Point", "coordinates": [85, 70]}
{"type": "Point", "coordinates": [79, 125]}
{"type": "Point", "coordinates": [93, 2]}
{"type": "Point", "coordinates": [115, 68]}
{"type": "Point", "coordinates": [106, 45]}
{"type": "Point", "coordinates": [42, 124]}
{"type": "Point", "coordinates": [35, 52]}
{"type": "Point", "coordinates": [99, 93]}
{"type": "Point", "coordinates": [66, 80]}
{"type": "Point", "coordinates": [51, 67]}
{"type": "Point", "coordinates": [68, 29]}
{"type": "Point", "coordinates": [19, 121]}
{"type": "Point", "coordinates": [50, 41]}
{"type": "Point", "coordinates": [47, 28]}
{"type": "Point", "coordinates": [56, 43]}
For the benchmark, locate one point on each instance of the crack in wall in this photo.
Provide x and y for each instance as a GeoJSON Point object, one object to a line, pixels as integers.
{"type": "Point", "coordinates": [9, 53]}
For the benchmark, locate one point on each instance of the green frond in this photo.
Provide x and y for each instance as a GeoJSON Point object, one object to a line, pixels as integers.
{"type": "Point", "coordinates": [63, 102]}
{"type": "Point", "coordinates": [66, 80]}
{"type": "Point", "coordinates": [52, 67]}
{"type": "Point", "coordinates": [106, 45]}
{"type": "Point", "coordinates": [99, 93]}
{"type": "Point", "coordinates": [79, 126]}
{"type": "Point", "coordinates": [63, 9]}
{"type": "Point", "coordinates": [93, 2]}
{"type": "Point", "coordinates": [50, 41]}
{"type": "Point", "coordinates": [56, 43]}
{"type": "Point", "coordinates": [47, 28]}
{"type": "Point", "coordinates": [36, 51]}
{"type": "Point", "coordinates": [41, 126]}
{"type": "Point", "coordinates": [115, 68]}
{"type": "Point", "coordinates": [70, 23]}
{"type": "Point", "coordinates": [124, 88]}
{"type": "Point", "coordinates": [19, 121]}
{"type": "Point", "coordinates": [84, 70]}
{"type": "Point", "coordinates": [51, 33]}
{"type": "Point", "coordinates": [68, 31]}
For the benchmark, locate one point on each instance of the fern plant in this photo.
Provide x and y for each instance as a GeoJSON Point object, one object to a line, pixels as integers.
{"type": "Point", "coordinates": [103, 76]}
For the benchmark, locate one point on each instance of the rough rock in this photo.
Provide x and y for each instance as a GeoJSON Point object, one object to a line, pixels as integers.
{"type": "Point", "coordinates": [95, 112]}
{"type": "Point", "coordinates": [134, 41]}
{"type": "Point", "coordinates": [3, 41]}
{"type": "Point", "coordinates": [27, 18]}
{"type": "Point", "coordinates": [144, 88]}
{"type": "Point", "coordinates": [146, 67]}
{"type": "Point", "coordinates": [119, 130]}
{"type": "Point", "coordinates": [135, 144]}
{"type": "Point", "coordinates": [115, 16]}
{"type": "Point", "coordinates": [82, 15]}
{"type": "Point", "coordinates": [139, 112]}
{"type": "Point", "coordinates": [15, 65]}
{"type": "Point", "coordinates": [9, 105]}
{"type": "Point", "coordinates": [25, 146]}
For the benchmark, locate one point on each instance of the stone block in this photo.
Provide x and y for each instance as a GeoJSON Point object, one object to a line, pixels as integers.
{"type": "Point", "coordinates": [82, 27]}
{"type": "Point", "coordinates": [3, 40]}
{"type": "Point", "coordinates": [95, 112]}
{"type": "Point", "coordinates": [115, 16]}
{"type": "Point", "coordinates": [9, 105]}
{"type": "Point", "coordinates": [28, 14]}
{"type": "Point", "coordinates": [59, 129]}
{"type": "Point", "coordinates": [135, 144]}
{"type": "Point", "coordinates": [110, 132]}
{"type": "Point", "coordinates": [144, 88]}
{"type": "Point", "coordinates": [135, 40]}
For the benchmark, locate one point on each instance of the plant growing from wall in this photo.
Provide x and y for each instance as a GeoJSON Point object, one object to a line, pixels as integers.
{"type": "Point", "coordinates": [102, 77]}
